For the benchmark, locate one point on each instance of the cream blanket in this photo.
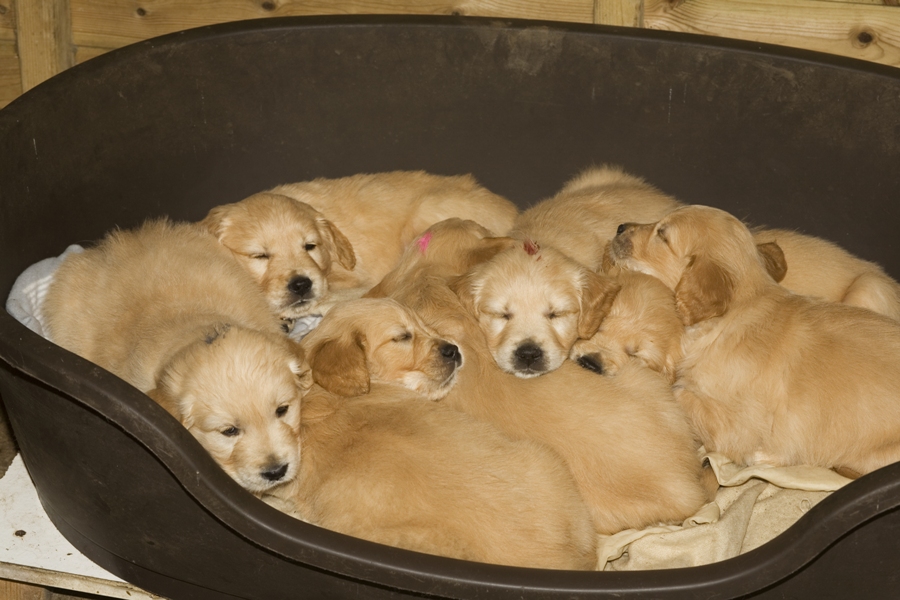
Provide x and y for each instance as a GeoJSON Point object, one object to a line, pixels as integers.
{"type": "Point", "coordinates": [754, 505]}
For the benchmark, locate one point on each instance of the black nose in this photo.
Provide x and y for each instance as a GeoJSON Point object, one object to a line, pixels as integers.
{"type": "Point", "coordinates": [529, 353]}
{"type": "Point", "coordinates": [275, 473]}
{"type": "Point", "coordinates": [300, 285]}
{"type": "Point", "coordinates": [450, 352]}
{"type": "Point", "coordinates": [591, 363]}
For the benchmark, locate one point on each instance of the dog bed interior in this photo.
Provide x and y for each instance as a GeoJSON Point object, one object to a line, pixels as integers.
{"type": "Point", "coordinates": [175, 125]}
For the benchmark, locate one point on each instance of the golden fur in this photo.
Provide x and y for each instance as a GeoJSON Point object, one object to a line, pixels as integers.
{"type": "Point", "coordinates": [642, 324]}
{"type": "Point", "coordinates": [377, 340]}
{"type": "Point", "coordinates": [585, 214]}
{"type": "Point", "coordinates": [533, 304]}
{"type": "Point", "coordinates": [628, 444]}
{"type": "Point", "coordinates": [390, 467]}
{"type": "Point", "coordinates": [769, 376]}
{"type": "Point", "coordinates": [346, 233]}
{"type": "Point", "coordinates": [167, 309]}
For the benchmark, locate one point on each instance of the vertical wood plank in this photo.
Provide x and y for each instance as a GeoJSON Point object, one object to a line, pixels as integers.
{"type": "Point", "coordinates": [624, 13]}
{"type": "Point", "coordinates": [12, 590]}
{"type": "Point", "coordinates": [44, 39]}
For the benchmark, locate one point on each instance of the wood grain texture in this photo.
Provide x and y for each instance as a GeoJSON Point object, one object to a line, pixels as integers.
{"type": "Point", "coordinates": [624, 13]}
{"type": "Point", "coordinates": [113, 23]}
{"type": "Point", "coordinates": [44, 39]}
{"type": "Point", "coordinates": [10, 84]}
{"type": "Point", "coordinates": [864, 31]}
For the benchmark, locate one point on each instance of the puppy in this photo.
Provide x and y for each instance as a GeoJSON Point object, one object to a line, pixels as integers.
{"type": "Point", "coordinates": [367, 340]}
{"type": "Point", "coordinates": [393, 468]}
{"type": "Point", "coordinates": [583, 217]}
{"type": "Point", "coordinates": [769, 376]}
{"type": "Point", "coordinates": [344, 234]}
{"type": "Point", "coordinates": [642, 324]}
{"type": "Point", "coordinates": [167, 309]}
{"type": "Point", "coordinates": [627, 443]}
{"type": "Point", "coordinates": [533, 303]}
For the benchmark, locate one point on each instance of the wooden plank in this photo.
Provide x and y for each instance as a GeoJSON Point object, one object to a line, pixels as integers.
{"type": "Point", "coordinates": [44, 39]}
{"type": "Point", "coordinates": [10, 78]}
{"type": "Point", "coordinates": [7, 21]}
{"type": "Point", "coordinates": [624, 13]}
{"type": "Point", "coordinates": [857, 30]}
{"type": "Point", "coordinates": [11, 590]}
{"type": "Point", "coordinates": [113, 23]}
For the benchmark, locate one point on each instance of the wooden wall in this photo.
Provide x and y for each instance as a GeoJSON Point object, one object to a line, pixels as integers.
{"type": "Point", "coordinates": [39, 38]}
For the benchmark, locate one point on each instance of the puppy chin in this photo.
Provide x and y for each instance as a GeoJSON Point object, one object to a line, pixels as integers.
{"type": "Point", "coordinates": [299, 309]}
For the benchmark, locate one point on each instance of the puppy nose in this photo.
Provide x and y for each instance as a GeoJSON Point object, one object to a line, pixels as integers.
{"type": "Point", "coordinates": [622, 227]}
{"type": "Point", "coordinates": [529, 353]}
{"type": "Point", "coordinates": [591, 363]}
{"type": "Point", "coordinates": [450, 352]}
{"type": "Point", "coordinates": [275, 473]}
{"type": "Point", "coordinates": [300, 285]}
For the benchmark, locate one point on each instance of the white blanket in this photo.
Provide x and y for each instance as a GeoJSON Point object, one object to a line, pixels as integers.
{"type": "Point", "coordinates": [26, 299]}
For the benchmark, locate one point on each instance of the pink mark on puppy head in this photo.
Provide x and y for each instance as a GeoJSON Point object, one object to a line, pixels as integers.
{"type": "Point", "coordinates": [531, 247]}
{"type": "Point", "coordinates": [423, 241]}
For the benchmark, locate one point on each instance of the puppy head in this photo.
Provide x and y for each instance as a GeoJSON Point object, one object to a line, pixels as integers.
{"type": "Point", "coordinates": [642, 324]}
{"type": "Point", "coordinates": [706, 255]}
{"type": "Point", "coordinates": [379, 340]}
{"type": "Point", "coordinates": [238, 391]}
{"type": "Point", "coordinates": [287, 245]}
{"type": "Point", "coordinates": [533, 304]}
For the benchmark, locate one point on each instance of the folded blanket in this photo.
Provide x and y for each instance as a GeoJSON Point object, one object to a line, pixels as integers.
{"type": "Point", "coordinates": [26, 299]}
{"type": "Point", "coordinates": [754, 505]}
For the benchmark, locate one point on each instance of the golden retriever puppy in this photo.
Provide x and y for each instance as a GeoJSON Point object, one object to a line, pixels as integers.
{"type": "Point", "coordinates": [364, 341]}
{"type": "Point", "coordinates": [533, 303]}
{"type": "Point", "coordinates": [167, 309]}
{"type": "Point", "coordinates": [626, 441]}
{"type": "Point", "coordinates": [817, 267]}
{"type": "Point", "coordinates": [769, 376]}
{"type": "Point", "coordinates": [584, 216]}
{"type": "Point", "coordinates": [393, 468]}
{"type": "Point", "coordinates": [641, 324]}
{"type": "Point", "coordinates": [344, 234]}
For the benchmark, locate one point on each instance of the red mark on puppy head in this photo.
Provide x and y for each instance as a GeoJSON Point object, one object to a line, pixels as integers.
{"type": "Point", "coordinates": [423, 242]}
{"type": "Point", "coordinates": [531, 247]}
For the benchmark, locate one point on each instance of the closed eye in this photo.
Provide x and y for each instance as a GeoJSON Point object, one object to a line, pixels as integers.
{"type": "Point", "coordinates": [309, 247]}
{"type": "Point", "coordinates": [281, 410]}
{"type": "Point", "coordinates": [260, 256]}
{"type": "Point", "coordinates": [230, 431]}
{"type": "Point", "coordinates": [403, 337]}
{"type": "Point", "coordinates": [661, 233]}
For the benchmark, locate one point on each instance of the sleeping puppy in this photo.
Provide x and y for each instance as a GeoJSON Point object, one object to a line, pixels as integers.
{"type": "Point", "coordinates": [533, 303]}
{"type": "Point", "coordinates": [626, 441]}
{"type": "Point", "coordinates": [769, 376]}
{"type": "Point", "coordinates": [642, 324]}
{"type": "Point", "coordinates": [391, 467]}
{"type": "Point", "coordinates": [584, 216]}
{"type": "Point", "coordinates": [167, 309]}
{"type": "Point", "coordinates": [344, 234]}
{"type": "Point", "coordinates": [365, 341]}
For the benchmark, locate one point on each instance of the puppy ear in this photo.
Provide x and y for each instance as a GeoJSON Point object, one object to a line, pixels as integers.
{"type": "Point", "coordinates": [172, 406]}
{"type": "Point", "coordinates": [343, 249]}
{"type": "Point", "coordinates": [704, 291]}
{"type": "Point", "coordinates": [773, 258]}
{"type": "Point", "coordinates": [339, 365]}
{"type": "Point", "coordinates": [217, 221]}
{"type": "Point", "coordinates": [463, 287]}
{"type": "Point", "coordinates": [491, 246]}
{"type": "Point", "coordinates": [597, 295]}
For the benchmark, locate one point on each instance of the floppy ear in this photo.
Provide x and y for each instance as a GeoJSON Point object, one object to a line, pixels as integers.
{"type": "Point", "coordinates": [704, 291]}
{"type": "Point", "coordinates": [343, 249]}
{"type": "Point", "coordinates": [175, 408]}
{"type": "Point", "coordinates": [490, 248]}
{"type": "Point", "coordinates": [597, 295]}
{"type": "Point", "coordinates": [216, 220]}
{"type": "Point", "coordinates": [773, 258]}
{"type": "Point", "coordinates": [462, 286]}
{"type": "Point", "coordinates": [339, 365]}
